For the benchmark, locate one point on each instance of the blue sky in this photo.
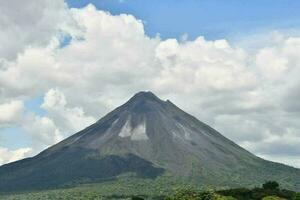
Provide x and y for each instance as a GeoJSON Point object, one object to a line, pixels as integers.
{"type": "Point", "coordinates": [213, 19]}
{"type": "Point", "coordinates": [14, 138]}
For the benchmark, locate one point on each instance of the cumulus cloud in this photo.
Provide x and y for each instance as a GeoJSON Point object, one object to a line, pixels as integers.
{"type": "Point", "coordinates": [42, 130]}
{"type": "Point", "coordinates": [203, 65]}
{"type": "Point", "coordinates": [13, 155]}
{"type": "Point", "coordinates": [249, 96]}
{"type": "Point", "coordinates": [289, 160]}
{"type": "Point", "coordinates": [10, 112]}
{"type": "Point", "coordinates": [70, 120]}
{"type": "Point", "coordinates": [29, 23]}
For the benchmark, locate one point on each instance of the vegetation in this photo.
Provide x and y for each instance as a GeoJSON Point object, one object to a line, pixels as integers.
{"type": "Point", "coordinates": [296, 196]}
{"type": "Point", "coordinates": [269, 191]}
{"type": "Point", "coordinates": [271, 185]}
{"type": "Point", "coordinates": [129, 190]}
{"type": "Point", "coordinates": [272, 198]}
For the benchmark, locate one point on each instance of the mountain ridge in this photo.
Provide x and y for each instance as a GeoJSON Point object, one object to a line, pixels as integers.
{"type": "Point", "coordinates": [150, 138]}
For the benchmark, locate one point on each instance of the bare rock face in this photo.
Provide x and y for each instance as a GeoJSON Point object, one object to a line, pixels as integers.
{"type": "Point", "coordinates": [147, 137]}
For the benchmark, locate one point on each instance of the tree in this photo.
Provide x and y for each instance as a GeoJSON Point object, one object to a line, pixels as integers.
{"type": "Point", "coordinates": [186, 194]}
{"type": "Point", "coordinates": [136, 198]}
{"type": "Point", "coordinates": [296, 196]}
{"type": "Point", "coordinates": [271, 185]}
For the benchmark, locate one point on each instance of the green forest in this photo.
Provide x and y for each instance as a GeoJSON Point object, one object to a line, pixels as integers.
{"type": "Point", "coordinates": [270, 190]}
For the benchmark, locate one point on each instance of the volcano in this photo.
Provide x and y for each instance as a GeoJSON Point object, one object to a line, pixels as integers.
{"type": "Point", "coordinates": [146, 138]}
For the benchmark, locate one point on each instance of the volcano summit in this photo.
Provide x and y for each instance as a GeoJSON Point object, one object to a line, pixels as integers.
{"type": "Point", "coordinates": [147, 138]}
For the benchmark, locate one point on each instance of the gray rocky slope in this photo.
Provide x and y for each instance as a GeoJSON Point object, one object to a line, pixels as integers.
{"type": "Point", "coordinates": [150, 138]}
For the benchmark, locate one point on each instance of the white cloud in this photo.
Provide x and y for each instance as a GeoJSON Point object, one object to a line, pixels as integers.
{"type": "Point", "coordinates": [10, 112]}
{"type": "Point", "coordinates": [42, 130]}
{"type": "Point", "coordinates": [70, 120]}
{"type": "Point", "coordinates": [29, 23]}
{"type": "Point", "coordinates": [250, 96]}
{"type": "Point", "coordinates": [7, 155]}
{"type": "Point", "coordinates": [271, 63]}
{"type": "Point", "coordinates": [286, 159]}
{"type": "Point", "coordinates": [203, 65]}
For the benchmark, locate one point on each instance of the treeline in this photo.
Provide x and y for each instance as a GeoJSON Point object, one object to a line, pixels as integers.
{"type": "Point", "coordinates": [269, 191]}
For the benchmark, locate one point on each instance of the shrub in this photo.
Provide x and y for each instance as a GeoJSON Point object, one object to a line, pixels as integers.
{"type": "Point", "coordinates": [238, 193]}
{"type": "Point", "coordinates": [137, 198]}
{"type": "Point", "coordinates": [272, 198]}
{"type": "Point", "coordinates": [192, 195]}
{"type": "Point", "coordinates": [296, 196]}
{"type": "Point", "coordinates": [271, 185]}
{"type": "Point", "coordinates": [219, 197]}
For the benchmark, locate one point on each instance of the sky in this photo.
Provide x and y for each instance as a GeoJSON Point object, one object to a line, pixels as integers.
{"type": "Point", "coordinates": [65, 64]}
{"type": "Point", "coordinates": [213, 19]}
